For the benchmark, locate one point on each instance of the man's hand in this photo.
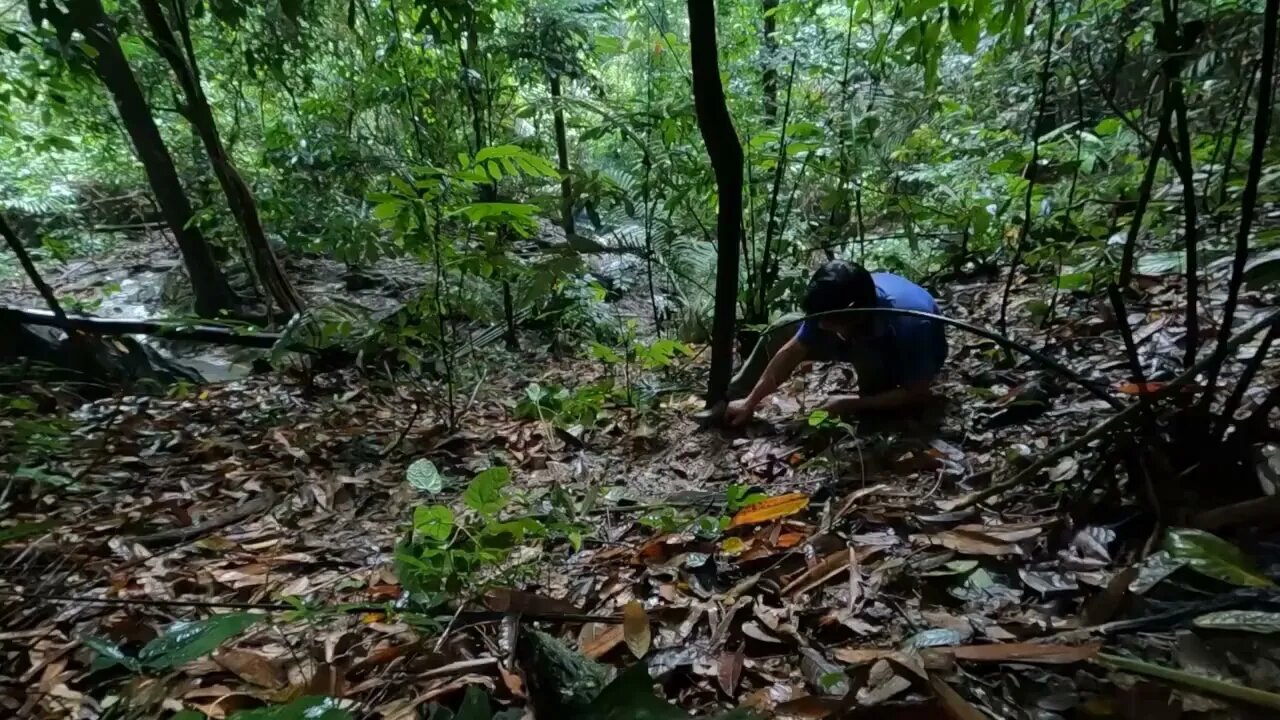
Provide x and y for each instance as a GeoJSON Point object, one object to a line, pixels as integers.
{"type": "Point", "coordinates": [739, 413]}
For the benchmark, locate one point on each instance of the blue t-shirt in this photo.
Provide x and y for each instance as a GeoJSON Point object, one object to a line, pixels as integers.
{"type": "Point", "coordinates": [915, 347]}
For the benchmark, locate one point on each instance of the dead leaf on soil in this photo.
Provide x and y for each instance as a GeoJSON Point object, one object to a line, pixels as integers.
{"type": "Point", "coordinates": [251, 667]}
{"type": "Point", "coordinates": [596, 640]}
{"type": "Point", "coordinates": [955, 706]}
{"type": "Point", "coordinates": [770, 509]}
{"type": "Point", "coordinates": [968, 543]}
{"type": "Point", "coordinates": [730, 671]}
{"type": "Point", "coordinates": [519, 602]}
{"type": "Point", "coordinates": [635, 628]}
{"type": "Point", "coordinates": [1041, 654]}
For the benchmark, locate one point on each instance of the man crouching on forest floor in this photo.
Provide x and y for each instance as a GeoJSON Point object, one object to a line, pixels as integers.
{"type": "Point", "coordinates": [895, 356]}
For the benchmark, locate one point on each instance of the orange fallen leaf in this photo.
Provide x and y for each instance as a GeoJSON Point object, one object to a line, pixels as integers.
{"type": "Point", "coordinates": [771, 509]}
{"type": "Point", "coordinates": [1027, 653]}
{"type": "Point", "coordinates": [790, 540]}
{"type": "Point", "coordinates": [596, 640]}
{"type": "Point", "coordinates": [1132, 388]}
{"type": "Point", "coordinates": [384, 591]}
{"type": "Point", "coordinates": [371, 618]}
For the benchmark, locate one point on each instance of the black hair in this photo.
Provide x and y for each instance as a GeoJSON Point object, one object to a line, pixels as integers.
{"type": "Point", "coordinates": [839, 284]}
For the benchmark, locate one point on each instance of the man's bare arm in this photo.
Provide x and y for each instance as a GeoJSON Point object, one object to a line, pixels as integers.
{"type": "Point", "coordinates": [780, 367]}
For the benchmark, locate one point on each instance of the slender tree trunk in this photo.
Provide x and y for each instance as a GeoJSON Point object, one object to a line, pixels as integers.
{"type": "Point", "coordinates": [758, 311]}
{"type": "Point", "coordinates": [562, 152]}
{"type": "Point", "coordinates": [1248, 198]}
{"type": "Point", "coordinates": [209, 286]}
{"type": "Point", "coordinates": [769, 71]}
{"type": "Point", "coordinates": [1176, 42]}
{"type": "Point", "coordinates": [239, 197]}
{"type": "Point", "coordinates": [1046, 74]}
{"type": "Point", "coordinates": [725, 151]}
{"type": "Point", "coordinates": [1144, 197]}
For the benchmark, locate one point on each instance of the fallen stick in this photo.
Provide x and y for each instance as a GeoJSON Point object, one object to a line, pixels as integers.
{"type": "Point", "coordinates": [116, 326]}
{"type": "Point", "coordinates": [260, 503]}
{"type": "Point", "coordinates": [1121, 418]}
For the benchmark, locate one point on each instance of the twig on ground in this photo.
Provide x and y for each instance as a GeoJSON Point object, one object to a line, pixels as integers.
{"type": "Point", "coordinates": [259, 504]}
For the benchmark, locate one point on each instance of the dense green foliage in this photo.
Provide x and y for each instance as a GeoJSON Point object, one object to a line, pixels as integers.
{"type": "Point", "coordinates": [919, 135]}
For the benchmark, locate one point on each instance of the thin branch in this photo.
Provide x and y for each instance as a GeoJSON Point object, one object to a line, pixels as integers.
{"type": "Point", "coordinates": [1046, 72]}
{"type": "Point", "coordinates": [1249, 198]}
{"type": "Point", "coordinates": [30, 267]}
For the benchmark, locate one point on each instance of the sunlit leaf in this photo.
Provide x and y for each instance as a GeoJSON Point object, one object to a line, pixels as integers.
{"type": "Point", "coordinates": [484, 494]}
{"type": "Point", "coordinates": [434, 522]}
{"type": "Point", "coordinates": [1210, 555]}
{"type": "Point", "coordinates": [423, 475]}
{"type": "Point", "coordinates": [186, 641]}
{"type": "Point", "coordinates": [771, 509]}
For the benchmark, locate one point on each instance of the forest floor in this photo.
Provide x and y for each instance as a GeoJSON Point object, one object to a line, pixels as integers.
{"type": "Point", "coordinates": [861, 560]}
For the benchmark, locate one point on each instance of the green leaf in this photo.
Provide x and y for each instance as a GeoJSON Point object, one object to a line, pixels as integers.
{"type": "Point", "coordinates": [630, 697]}
{"type": "Point", "coordinates": [187, 641]}
{"type": "Point", "coordinates": [24, 530]}
{"type": "Point", "coordinates": [423, 475]}
{"type": "Point", "coordinates": [109, 654]}
{"type": "Point", "coordinates": [434, 522]}
{"type": "Point", "coordinates": [387, 210]}
{"type": "Point", "coordinates": [310, 707]}
{"type": "Point", "coordinates": [1109, 126]}
{"type": "Point", "coordinates": [475, 705]}
{"type": "Point", "coordinates": [1160, 263]}
{"type": "Point", "coordinates": [1254, 621]}
{"type": "Point", "coordinates": [1210, 555]}
{"type": "Point", "coordinates": [605, 354]}
{"type": "Point", "coordinates": [484, 494]}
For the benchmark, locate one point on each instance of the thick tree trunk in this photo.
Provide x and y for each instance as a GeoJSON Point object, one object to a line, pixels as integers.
{"type": "Point", "coordinates": [725, 151]}
{"type": "Point", "coordinates": [239, 197]}
{"type": "Point", "coordinates": [208, 284]}
{"type": "Point", "coordinates": [562, 152]}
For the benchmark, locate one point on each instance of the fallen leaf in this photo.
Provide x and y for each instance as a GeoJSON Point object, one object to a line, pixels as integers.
{"type": "Point", "coordinates": [882, 684]}
{"type": "Point", "coordinates": [810, 707]}
{"type": "Point", "coordinates": [1103, 606]}
{"type": "Point", "coordinates": [1254, 621]}
{"type": "Point", "coordinates": [1035, 653]}
{"type": "Point", "coordinates": [953, 704]}
{"type": "Point", "coordinates": [519, 602]}
{"type": "Point", "coordinates": [596, 640]}
{"type": "Point", "coordinates": [968, 543]}
{"type": "Point", "coordinates": [251, 667]}
{"type": "Point", "coordinates": [770, 509]}
{"type": "Point", "coordinates": [635, 628]}
{"type": "Point", "coordinates": [1158, 566]}
{"type": "Point", "coordinates": [1132, 388]}
{"type": "Point", "coordinates": [730, 671]}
